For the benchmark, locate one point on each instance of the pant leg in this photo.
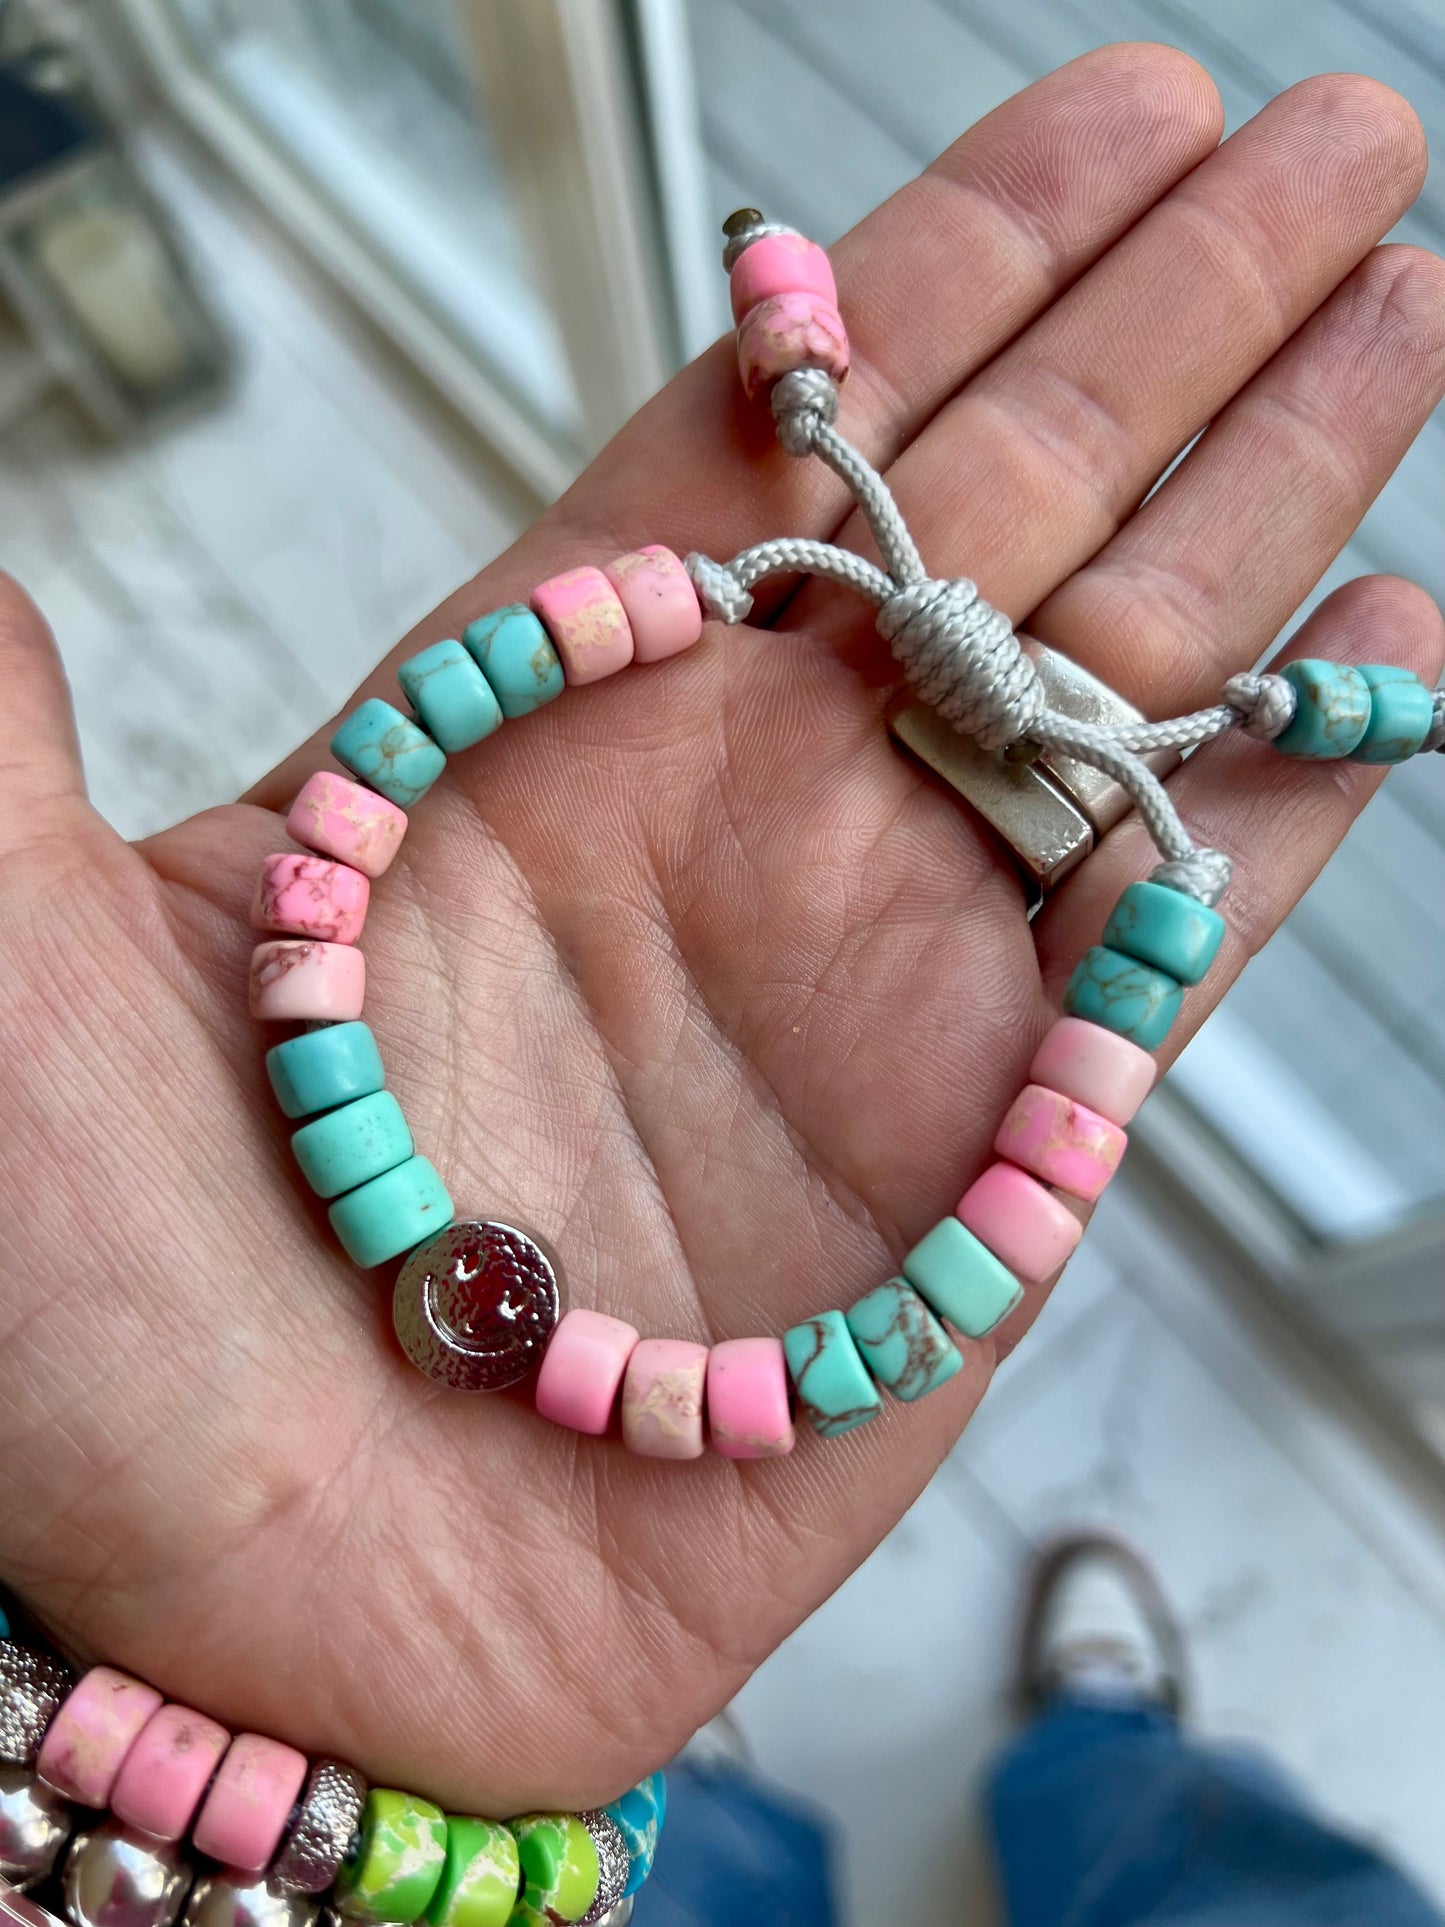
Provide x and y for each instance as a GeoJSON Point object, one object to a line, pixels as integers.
{"type": "Point", "coordinates": [1108, 1816]}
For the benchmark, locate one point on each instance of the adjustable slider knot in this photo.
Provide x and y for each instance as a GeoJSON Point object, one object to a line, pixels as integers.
{"type": "Point", "coordinates": [802, 400]}
{"type": "Point", "coordinates": [963, 658]}
{"type": "Point", "coordinates": [1266, 703]}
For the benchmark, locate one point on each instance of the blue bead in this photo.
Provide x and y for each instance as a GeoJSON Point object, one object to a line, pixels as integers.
{"type": "Point", "coordinates": [1167, 928]}
{"type": "Point", "coordinates": [1332, 709]}
{"type": "Point", "coordinates": [392, 1213]}
{"type": "Point", "coordinates": [451, 695]}
{"type": "Point", "coordinates": [902, 1343]}
{"type": "Point", "coordinates": [1401, 712]}
{"type": "Point", "coordinates": [347, 1147]}
{"type": "Point", "coordinates": [961, 1278]}
{"type": "Point", "coordinates": [4, 1624]}
{"type": "Point", "coordinates": [1131, 998]}
{"type": "Point", "coordinates": [515, 654]}
{"type": "Point", "coordinates": [639, 1816]}
{"type": "Point", "coordinates": [389, 751]}
{"type": "Point", "coordinates": [835, 1389]}
{"type": "Point", "coordinates": [324, 1068]}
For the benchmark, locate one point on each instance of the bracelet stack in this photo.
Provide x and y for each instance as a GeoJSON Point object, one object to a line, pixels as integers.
{"type": "Point", "coordinates": [477, 1304]}
{"type": "Point", "coordinates": [118, 1809]}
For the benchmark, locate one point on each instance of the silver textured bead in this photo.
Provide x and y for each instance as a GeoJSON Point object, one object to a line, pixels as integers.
{"type": "Point", "coordinates": [116, 1878]}
{"type": "Point", "coordinates": [620, 1916]}
{"type": "Point", "coordinates": [229, 1899]}
{"type": "Point", "coordinates": [35, 1824]}
{"type": "Point", "coordinates": [614, 1861]}
{"type": "Point", "coordinates": [32, 1685]}
{"type": "Point", "coordinates": [317, 1841]}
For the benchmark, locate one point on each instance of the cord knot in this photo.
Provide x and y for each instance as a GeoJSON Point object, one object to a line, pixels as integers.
{"type": "Point", "coordinates": [803, 400]}
{"type": "Point", "coordinates": [1266, 703]}
{"type": "Point", "coordinates": [718, 590]}
{"type": "Point", "coordinates": [1435, 736]}
{"type": "Point", "coordinates": [1203, 874]}
{"type": "Point", "coordinates": [963, 658]}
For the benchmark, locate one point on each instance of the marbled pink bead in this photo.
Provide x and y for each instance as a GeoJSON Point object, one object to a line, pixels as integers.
{"type": "Point", "coordinates": [96, 1726]}
{"type": "Point", "coordinates": [1094, 1066]}
{"type": "Point", "coordinates": [662, 1399]}
{"type": "Point", "coordinates": [1062, 1142]}
{"type": "Point", "coordinates": [348, 821]}
{"type": "Point", "coordinates": [780, 264]}
{"type": "Point", "coordinates": [1025, 1227]}
{"type": "Point", "coordinates": [310, 896]}
{"type": "Point", "coordinates": [578, 1383]}
{"type": "Point", "coordinates": [748, 1410]}
{"type": "Point", "coordinates": [250, 1801]}
{"type": "Point", "coordinates": [295, 982]}
{"type": "Point", "coordinates": [661, 604]}
{"type": "Point", "coordinates": [787, 332]}
{"type": "Point", "coordinates": [584, 616]}
{"type": "Point", "coordinates": [167, 1770]}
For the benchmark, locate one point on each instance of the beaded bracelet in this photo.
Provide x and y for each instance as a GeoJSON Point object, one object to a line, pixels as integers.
{"type": "Point", "coordinates": [273, 1838]}
{"type": "Point", "coordinates": [477, 1303]}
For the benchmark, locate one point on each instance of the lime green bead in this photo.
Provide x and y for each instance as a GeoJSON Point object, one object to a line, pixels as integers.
{"type": "Point", "coordinates": [1332, 709]}
{"type": "Point", "coordinates": [559, 1865]}
{"type": "Point", "coordinates": [392, 1213]}
{"type": "Point", "coordinates": [451, 695]}
{"type": "Point", "coordinates": [482, 1877]}
{"type": "Point", "coordinates": [1167, 928]}
{"type": "Point", "coordinates": [347, 1147]}
{"type": "Point", "coordinates": [398, 1862]}
{"type": "Point", "coordinates": [1123, 995]}
{"type": "Point", "coordinates": [1401, 712]}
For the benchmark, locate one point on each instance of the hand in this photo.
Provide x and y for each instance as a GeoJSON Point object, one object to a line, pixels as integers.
{"type": "Point", "coordinates": [691, 972]}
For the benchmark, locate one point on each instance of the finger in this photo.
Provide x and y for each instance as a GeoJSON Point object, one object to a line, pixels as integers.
{"type": "Point", "coordinates": [1213, 565]}
{"type": "Point", "coordinates": [1035, 465]}
{"type": "Point", "coordinates": [42, 785]}
{"type": "Point", "coordinates": [1278, 818]}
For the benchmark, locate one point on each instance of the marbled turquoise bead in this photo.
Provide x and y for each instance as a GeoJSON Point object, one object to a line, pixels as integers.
{"type": "Point", "coordinates": [1176, 933]}
{"type": "Point", "coordinates": [639, 1816]}
{"type": "Point", "coordinates": [1126, 996]}
{"type": "Point", "coordinates": [835, 1387]}
{"type": "Point", "coordinates": [389, 751]}
{"type": "Point", "coordinates": [389, 1215]}
{"type": "Point", "coordinates": [515, 654]}
{"type": "Point", "coordinates": [1332, 709]}
{"type": "Point", "coordinates": [347, 1147]}
{"type": "Point", "coordinates": [1401, 712]}
{"type": "Point", "coordinates": [961, 1278]}
{"type": "Point", "coordinates": [901, 1341]}
{"type": "Point", "coordinates": [324, 1068]}
{"type": "Point", "coordinates": [451, 695]}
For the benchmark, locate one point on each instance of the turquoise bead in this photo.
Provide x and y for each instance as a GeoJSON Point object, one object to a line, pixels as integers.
{"type": "Point", "coordinates": [639, 1816]}
{"type": "Point", "coordinates": [835, 1387]}
{"type": "Point", "coordinates": [324, 1068]}
{"type": "Point", "coordinates": [961, 1278]}
{"type": "Point", "coordinates": [4, 1624]}
{"type": "Point", "coordinates": [1176, 933]}
{"type": "Point", "coordinates": [388, 751]}
{"type": "Point", "coordinates": [1126, 996]}
{"type": "Point", "coordinates": [451, 695]}
{"type": "Point", "coordinates": [515, 654]}
{"type": "Point", "coordinates": [346, 1147]}
{"type": "Point", "coordinates": [1401, 712]}
{"type": "Point", "coordinates": [392, 1213]}
{"type": "Point", "coordinates": [1332, 709]}
{"type": "Point", "coordinates": [901, 1341]}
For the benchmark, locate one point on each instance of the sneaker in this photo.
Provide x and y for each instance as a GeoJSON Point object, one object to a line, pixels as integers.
{"type": "Point", "coordinates": [1097, 1626]}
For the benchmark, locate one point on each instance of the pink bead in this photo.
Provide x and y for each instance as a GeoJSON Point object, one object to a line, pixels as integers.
{"type": "Point", "coordinates": [577, 1385]}
{"type": "Point", "coordinates": [1094, 1066]}
{"type": "Point", "coordinates": [662, 1399]}
{"type": "Point", "coordinates": [1022, 1224]}
{"type": "Point", "coordinates": [294, 982]}
{"type": "Point", "coordinates": [167, 1771]}
{"type": "Point", "coordinates": [661, 604]}
{"type": "Point", "coordinates": [311, 897]}
{"type": "Point", "coordinates": [1062, 1142]}
{"type": "Point", "coordinates": [790, 331]}
{"type": "Point", "coordinates": [584, 616]}
{"type": "Point", "coordinates": [747, 1399]}
{"type": "Point", "coordinates": [96, 1726]}
{"type": "Point", "coordinates": [780, 264]}
{"type": "Point", "coordinates": [345, 820]}
{"type": "Point", "coordinates": [250, 1801]}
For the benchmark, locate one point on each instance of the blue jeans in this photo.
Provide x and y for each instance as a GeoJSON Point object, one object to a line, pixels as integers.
{"type": "Point", "coordinates": [1109, 1817]}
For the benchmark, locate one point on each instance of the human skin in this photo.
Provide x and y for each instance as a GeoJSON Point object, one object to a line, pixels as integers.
{"type": "Point", "coordinates": [690, 971]}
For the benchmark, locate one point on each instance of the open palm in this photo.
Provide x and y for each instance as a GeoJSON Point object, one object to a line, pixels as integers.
{"type": "Point", "coordinates": [690, 972]}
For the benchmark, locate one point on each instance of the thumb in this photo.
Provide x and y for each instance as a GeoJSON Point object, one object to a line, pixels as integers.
{"type": "Point", "coordinates": [42, 784]}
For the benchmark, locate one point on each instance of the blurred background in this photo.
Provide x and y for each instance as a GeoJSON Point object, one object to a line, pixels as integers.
{"type": "Point", "coordinates": [309, 305]}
